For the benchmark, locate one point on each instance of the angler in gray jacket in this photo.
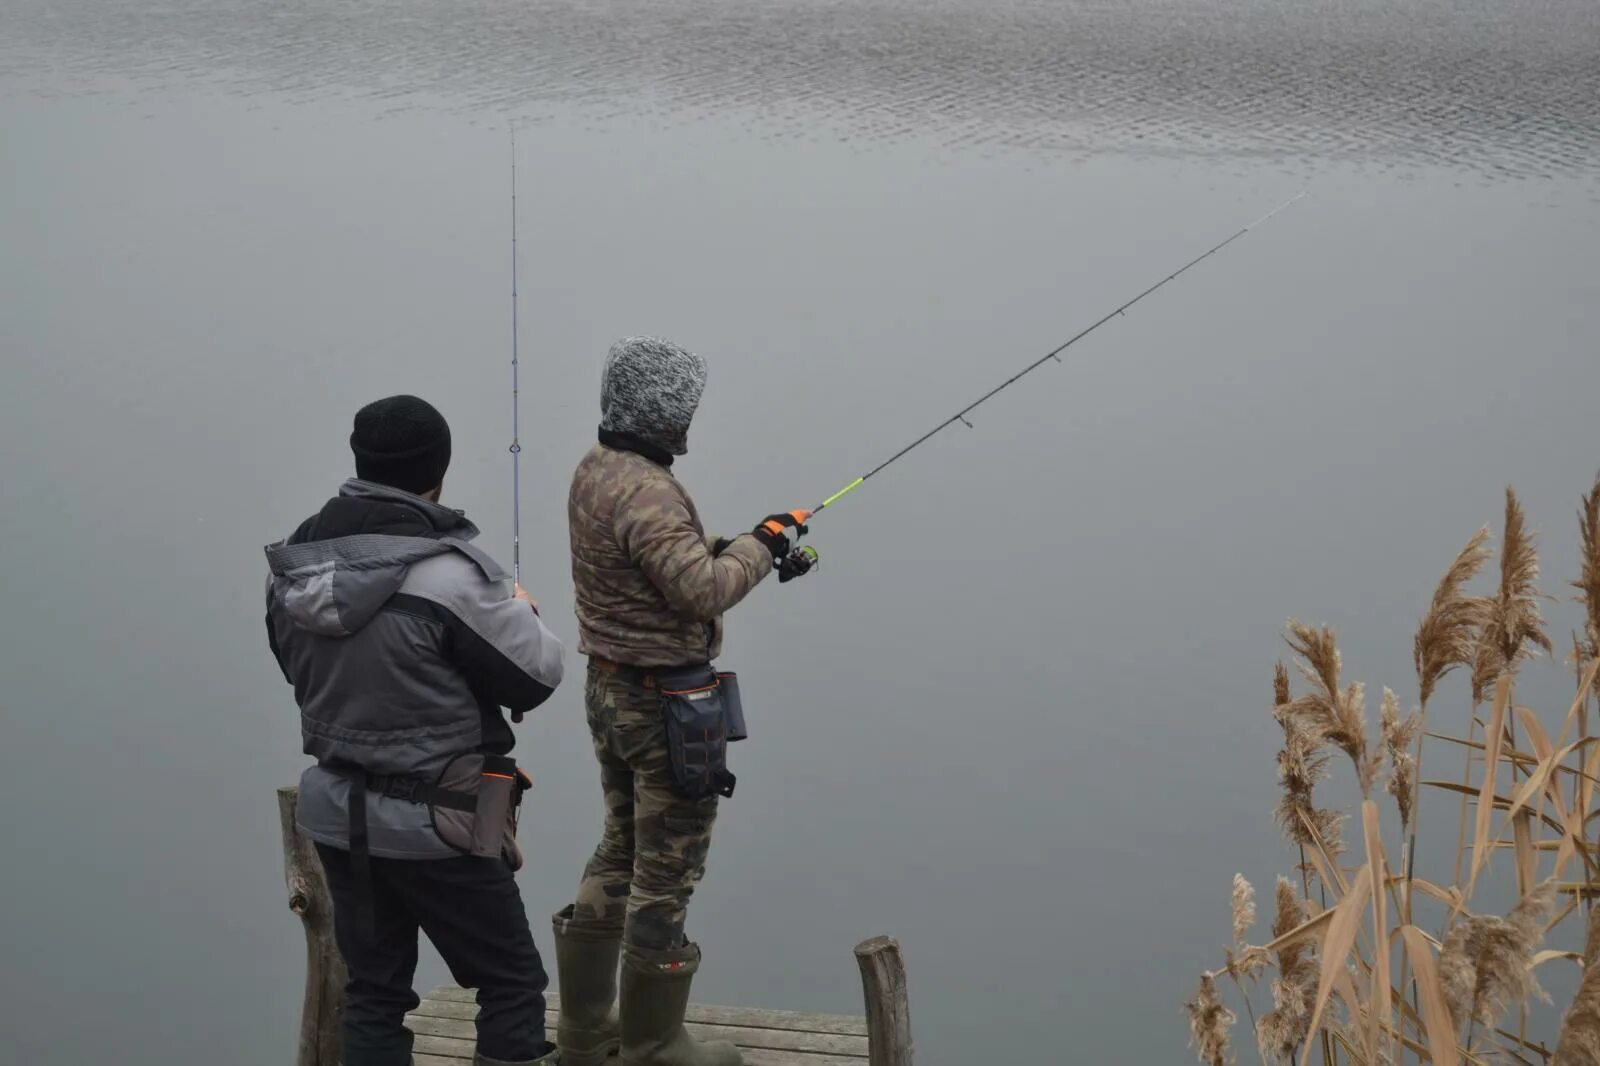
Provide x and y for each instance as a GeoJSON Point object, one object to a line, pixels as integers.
{"type": "Point", "coordinates": [403, 643]}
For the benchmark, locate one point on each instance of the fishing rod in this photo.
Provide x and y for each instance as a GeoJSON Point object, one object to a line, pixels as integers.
{"type": "Point", "coordinates": [516, 428]}
{"type": "Point", "coordinates": [961, 415]}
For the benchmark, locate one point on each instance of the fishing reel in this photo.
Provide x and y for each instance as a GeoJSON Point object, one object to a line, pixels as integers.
{"type": "Point", "coordinates": [798, 563]}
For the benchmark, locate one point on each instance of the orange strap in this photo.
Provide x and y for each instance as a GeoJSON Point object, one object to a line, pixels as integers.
{"type": "Point", "coordinates": [776, 528]}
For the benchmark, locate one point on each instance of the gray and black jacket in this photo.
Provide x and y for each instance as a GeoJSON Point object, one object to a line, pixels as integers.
{"type": "Point", "coordinates": [403, 642]}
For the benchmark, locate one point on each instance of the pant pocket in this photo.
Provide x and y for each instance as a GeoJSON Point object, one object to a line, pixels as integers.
{"type": "Point", "coordinates": [689, 833]}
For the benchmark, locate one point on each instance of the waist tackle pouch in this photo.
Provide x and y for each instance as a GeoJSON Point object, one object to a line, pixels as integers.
{"type": "Point", "coordinates": [694, 711]}
{"type": "Point", "coordinates": [475, 803]}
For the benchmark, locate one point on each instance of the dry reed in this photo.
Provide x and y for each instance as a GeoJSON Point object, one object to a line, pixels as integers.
{"type": "Point", "coordinates": [1302, 765]}
{"type": "Point", "coordinates": [1398, 736]}
{"type": "Point", "coordinates": [1209, 1022]}
{"type": "Point", "coordinates": [1514, 627]}
{"type": "Point", "coordinates": [1588, 583]}
{"type": "Point", "coordinates": [1447, 637]}
{"type": "Point", "coordinates": [1580, 1039]}
{"type": "Point", "coordinates": [1486, 963]}
{"type": "Point", "coordinates": [1579, 1044]}
{"type": "Point", "coordinates": [1330, 963]}
{"type": "Point", "coordinates": [1244, 909]}
{"type": "Point", "coordinates": [1245, 960]}
{"type": "Point", "coordinates": [1284, 1028]}
{"type": "Point", "coordinates": [1336, 713]}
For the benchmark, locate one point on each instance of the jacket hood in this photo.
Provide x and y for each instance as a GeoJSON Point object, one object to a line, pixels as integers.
{"type": "Point", "coordinates": [333, 584]}
{"type": "Point", "coordinates": [651, 389]}
{"type": "Point", "coordinates": [441, 519]}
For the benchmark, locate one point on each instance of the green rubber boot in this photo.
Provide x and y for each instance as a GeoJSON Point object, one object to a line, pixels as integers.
{"type": "Point", "coordinates": [586, 971]}
{"type": "Point", "coordinates": [549, 1058]}
{"type": "Point", "coordinates": [655, 995]}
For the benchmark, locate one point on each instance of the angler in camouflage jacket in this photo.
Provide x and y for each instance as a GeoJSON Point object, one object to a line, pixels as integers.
{"type": "Point", "coordinates": [651, 589]}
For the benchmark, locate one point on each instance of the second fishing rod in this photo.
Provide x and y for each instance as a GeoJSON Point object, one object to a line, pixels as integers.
{"type": "Point", "coordinates": [803, 517]}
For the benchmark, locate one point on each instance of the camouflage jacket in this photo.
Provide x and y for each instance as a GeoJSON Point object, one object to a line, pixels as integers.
{"type": "Point", "coordinates": [648, 589]}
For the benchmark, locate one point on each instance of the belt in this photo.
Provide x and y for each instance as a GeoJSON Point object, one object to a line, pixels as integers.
{"type": "Point", "coordinates": [420, 790]}
{"type": "Point", "coordinates": [644, 676]}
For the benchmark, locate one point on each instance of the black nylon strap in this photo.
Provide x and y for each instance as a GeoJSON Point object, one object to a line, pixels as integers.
{"type": "Point", "coordinates": [418, 790]}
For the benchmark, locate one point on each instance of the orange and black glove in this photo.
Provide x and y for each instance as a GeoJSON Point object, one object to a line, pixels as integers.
{"type": "Point", "coordinates": [773, 531]}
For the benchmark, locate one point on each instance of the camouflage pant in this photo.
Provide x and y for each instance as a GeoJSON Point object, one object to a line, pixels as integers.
{"type": "Point", "coordinates": [653, 849]}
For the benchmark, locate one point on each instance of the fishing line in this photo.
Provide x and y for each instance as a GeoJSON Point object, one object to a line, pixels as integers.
{"type": "Point", "coordinates": [961, 415]}
{"type": "Point", "coordinates": [516, 427]}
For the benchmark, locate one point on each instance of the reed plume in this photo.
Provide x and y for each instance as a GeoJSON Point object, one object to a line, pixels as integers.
{"type": "Point", "coordinates": [1514, 627]}
{"type": "Point", "coordinates": [1245, 960]}
{"type": "Point", "coordinates": [1398, 736]}
{"type": "Point", "coordinates": [1338, 715]}
{"type": "Point", "coordinates": [1249, 961]}
{"type": "Point", "coordinates": [1209, 1022]}
{"type": "Point", "coordinates": [1447, 637]}
{"type": "Point", "coordinates": [1283, 1029]}
{"type": "Point", "coordinates": [1244, 909]}
{"type": "Point", "coordinates": [1579, 1044]}
{"type": "Point", "coordinates": [1588, 583]}
{"type": "Point", "coordinates": [1302, 764]}
{"type": "Point", "coordinates": [1486, 963]}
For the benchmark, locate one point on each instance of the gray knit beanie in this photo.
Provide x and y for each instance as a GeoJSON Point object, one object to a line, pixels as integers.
{"type": "Point", "coordinates": [650, 390]}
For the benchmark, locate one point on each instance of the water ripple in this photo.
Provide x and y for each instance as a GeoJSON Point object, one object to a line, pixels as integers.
{"type": "Point", "coordinates": [1501, 89]}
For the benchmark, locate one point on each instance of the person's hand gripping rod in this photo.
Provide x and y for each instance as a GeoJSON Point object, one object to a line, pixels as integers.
{"type": "Point", "coordinates": [773, 533]}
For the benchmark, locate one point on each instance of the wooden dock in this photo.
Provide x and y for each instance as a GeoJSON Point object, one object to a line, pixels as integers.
{"type": "Point", "coordinates": [443, 1025]}
{"type": "Point", "coordinates": [444, 1022]}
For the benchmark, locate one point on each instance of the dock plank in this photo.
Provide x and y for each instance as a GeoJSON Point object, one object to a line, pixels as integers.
{"type": "Point", "coordinates": [752, 1057]}
{"type": "Point", "coordinates": [751, 1017]}
{"type": "Point", "coordinates": [444, 1051]}
{"type": "Point", "coordinates": [764, 1057]}
{"type": "Point", "coordinates": [443, 1046]}
{"type": "Point", "coordinates": [445, 1033]}
{"type": "Point", "coordinates": [767, 1039]}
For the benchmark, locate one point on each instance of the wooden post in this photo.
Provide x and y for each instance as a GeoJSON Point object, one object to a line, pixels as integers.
{"type": "Point", "coordinates": [322, 1011]}
{"type": "Point", "coordinates": [883, 980]}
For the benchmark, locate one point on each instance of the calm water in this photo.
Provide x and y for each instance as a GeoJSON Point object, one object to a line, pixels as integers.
{"type": "Point", "coordinates": [1019, 719]}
